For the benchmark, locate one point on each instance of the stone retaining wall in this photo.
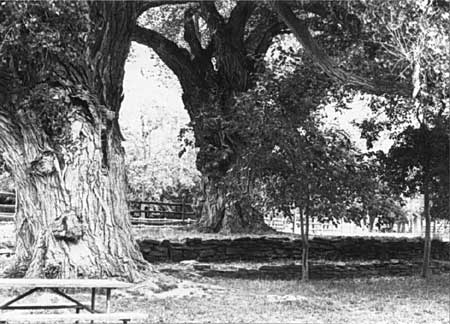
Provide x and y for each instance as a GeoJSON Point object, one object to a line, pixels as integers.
{"type": "Point", "coordinates": [320, 271]}
{"type": "Point", "coordinates": [271, 248]}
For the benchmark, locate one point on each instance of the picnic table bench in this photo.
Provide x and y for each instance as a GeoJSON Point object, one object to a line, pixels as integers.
{"type": "Point", "coordinates": [56, 286]}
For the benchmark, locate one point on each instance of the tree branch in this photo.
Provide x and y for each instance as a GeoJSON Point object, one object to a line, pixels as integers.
{"type": "Point", "coordinates": [301, 32]}
{"type": "Point", "coordinates": [260, 38]}
{"type": "Point", "coordinates": [276, 29]}
{"type": "Point", "coordinates": [176, 58]}
{"type": "Point", "coordinates": [191, 34]}
{"type": "Point", "coordinates": [212, 17]}
{"type": "Point", "coordinates": [339, 14]}
{"type": "Point", "coordinates": [239, 16]}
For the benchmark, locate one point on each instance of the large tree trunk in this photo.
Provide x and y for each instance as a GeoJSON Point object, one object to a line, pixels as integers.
{"type": "Point", "coordinates": [227, 203]}
{"type": "Point", "coordinates": [225, 214]}
{"type": "Point", "coordinates": [73, 219]}
{"type": "Point", "coordinates": [304, 228]}
{"type": "Point", "coordinates": [208, 95]}
{"type": "Point", "coordinates": [65, 156]}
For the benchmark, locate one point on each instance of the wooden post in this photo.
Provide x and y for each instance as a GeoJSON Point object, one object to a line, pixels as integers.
{"type": "Point", "coordinates": [141, 207]}
{"type": "Point", "coordinates": [93, 299]}
{"type": "Point", "coordinates": [16, 202]}
{"type": "Point", "coordinates": [182, 208]}
{"type": "Point", "coordinates": [293, 222]}
{"type": "Point", "coordinates": [108, 300]}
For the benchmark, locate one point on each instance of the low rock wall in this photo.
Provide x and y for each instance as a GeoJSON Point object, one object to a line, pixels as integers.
{"type": "Point", "coordinates": [272, 248]}
{"type": "Point", "coordinates": [320, 271]}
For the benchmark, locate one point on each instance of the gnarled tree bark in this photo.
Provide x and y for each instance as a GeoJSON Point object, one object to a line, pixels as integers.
{"type": "Point", "coordinates": [208, 96]}
{"type": "Point", "coordinates": [62, 143]}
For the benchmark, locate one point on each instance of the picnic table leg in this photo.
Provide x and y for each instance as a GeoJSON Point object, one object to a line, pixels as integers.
{"type": "Point", "coordinates": [12, 301]}
{"type": "Point", "coordinates": [108, 300]}
{"type": "Point", "coordinates": [93, 302]}
{"type": "Point", "coordinates": [76, 302]}
{"type": "Point", "coordinates": [77, 310]}
{"type": "Point", "coordinates": [93, 299]}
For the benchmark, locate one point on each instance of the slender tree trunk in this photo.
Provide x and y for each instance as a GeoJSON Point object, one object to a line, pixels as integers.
{"type": "Point", "coordinates": [371, 222]}
{"type": "Point", "coordinates": [427, 243]}
{"type": "Point", "coordinates": [304, 229]}
{"type": "Point", "coordinates": [426, 164]}
{"type": "Point", "coordinates": [293, 222]}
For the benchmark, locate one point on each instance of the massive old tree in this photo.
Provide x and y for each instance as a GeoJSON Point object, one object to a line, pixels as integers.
{"type": "Point", "coordinates": [224, 53]}
{"type": "Point", "coordinates": [61, 73]}
{"type": "Point", "coordinates": [210, 75]}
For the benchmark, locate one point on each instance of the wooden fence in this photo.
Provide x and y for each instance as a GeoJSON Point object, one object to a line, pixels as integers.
{"type": "Point", "coordinates": [141, 212]}
{"type": "Point", "coordinates": [440, 229]}
{"type": "Point", "coordinates": [161, 213]}
{"type": "Point", "coordinates": [7, 206]}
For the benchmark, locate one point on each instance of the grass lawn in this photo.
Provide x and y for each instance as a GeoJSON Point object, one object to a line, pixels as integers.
{"type": "Point", "coordinates": [387, 300]}
{"type": "Point", "coordinates": [375, 300]}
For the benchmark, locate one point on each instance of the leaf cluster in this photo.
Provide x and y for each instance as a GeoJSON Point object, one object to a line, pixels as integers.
{"type": "Point", "coordinates": [36, 35]}
{"type": "Point", "coordinates": [297, 160]}
{"type": "Point", "coordinates": [419, 156]}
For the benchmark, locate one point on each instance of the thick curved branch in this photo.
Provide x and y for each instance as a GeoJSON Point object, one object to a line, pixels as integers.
{"type": "Point", "coordinates": [191, 34]}
{"type": "Point", "coordinates": [276, 29]}
{"type": "Point", "coordinates": [176, 58]}
{"type": "Point", "coordinates": [326, 63]}
{"type": "Point", "coordinates": [336, 12]}
{"type": "Point", "coordinates": [239, 17]}
{"type": "Point", "coordinates": [260, 38]}
{"type": "Point", "coordinates": [212, 17]}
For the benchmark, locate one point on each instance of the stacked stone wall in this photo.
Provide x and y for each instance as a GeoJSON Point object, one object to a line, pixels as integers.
{"type": "Point", "coordinates": [273, 248]}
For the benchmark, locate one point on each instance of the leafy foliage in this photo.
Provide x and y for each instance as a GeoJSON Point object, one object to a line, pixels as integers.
{"type": "Point", "coordinates": [419, 153]}
{"type": "Point", "coordinates": [35, 34]}
{"type": "Point", "coordinates": [41, 45]}
{"type": "Point", "coordinates": [412, 40]}
{"type": "Point", "coordinates": [297, 160]}
{"type": "Point", "coordinates": [159, 172]}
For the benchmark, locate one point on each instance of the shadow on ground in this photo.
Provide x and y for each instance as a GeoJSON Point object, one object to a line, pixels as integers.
{"type": "Point", "coordinates": [337, 270]}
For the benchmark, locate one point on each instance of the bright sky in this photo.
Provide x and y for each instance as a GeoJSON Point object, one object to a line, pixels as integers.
{"type": "Point", "coordinates": [150, 88]}
{"type": "Point", "coordinates": [359, 110]}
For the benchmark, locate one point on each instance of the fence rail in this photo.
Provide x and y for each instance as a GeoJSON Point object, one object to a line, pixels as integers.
{"type": "Point", "coordinates": [161, 213]}
{"type": "Point", "coordinates": [141, 212]}
{"type": "Point", "coordinates": [6, 217]}
{"type": "Point", "coordinates": [7, 206]}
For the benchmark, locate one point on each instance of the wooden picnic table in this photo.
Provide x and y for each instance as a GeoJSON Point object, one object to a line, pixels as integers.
{"type": "Point", "coordinates": [56, 286]}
